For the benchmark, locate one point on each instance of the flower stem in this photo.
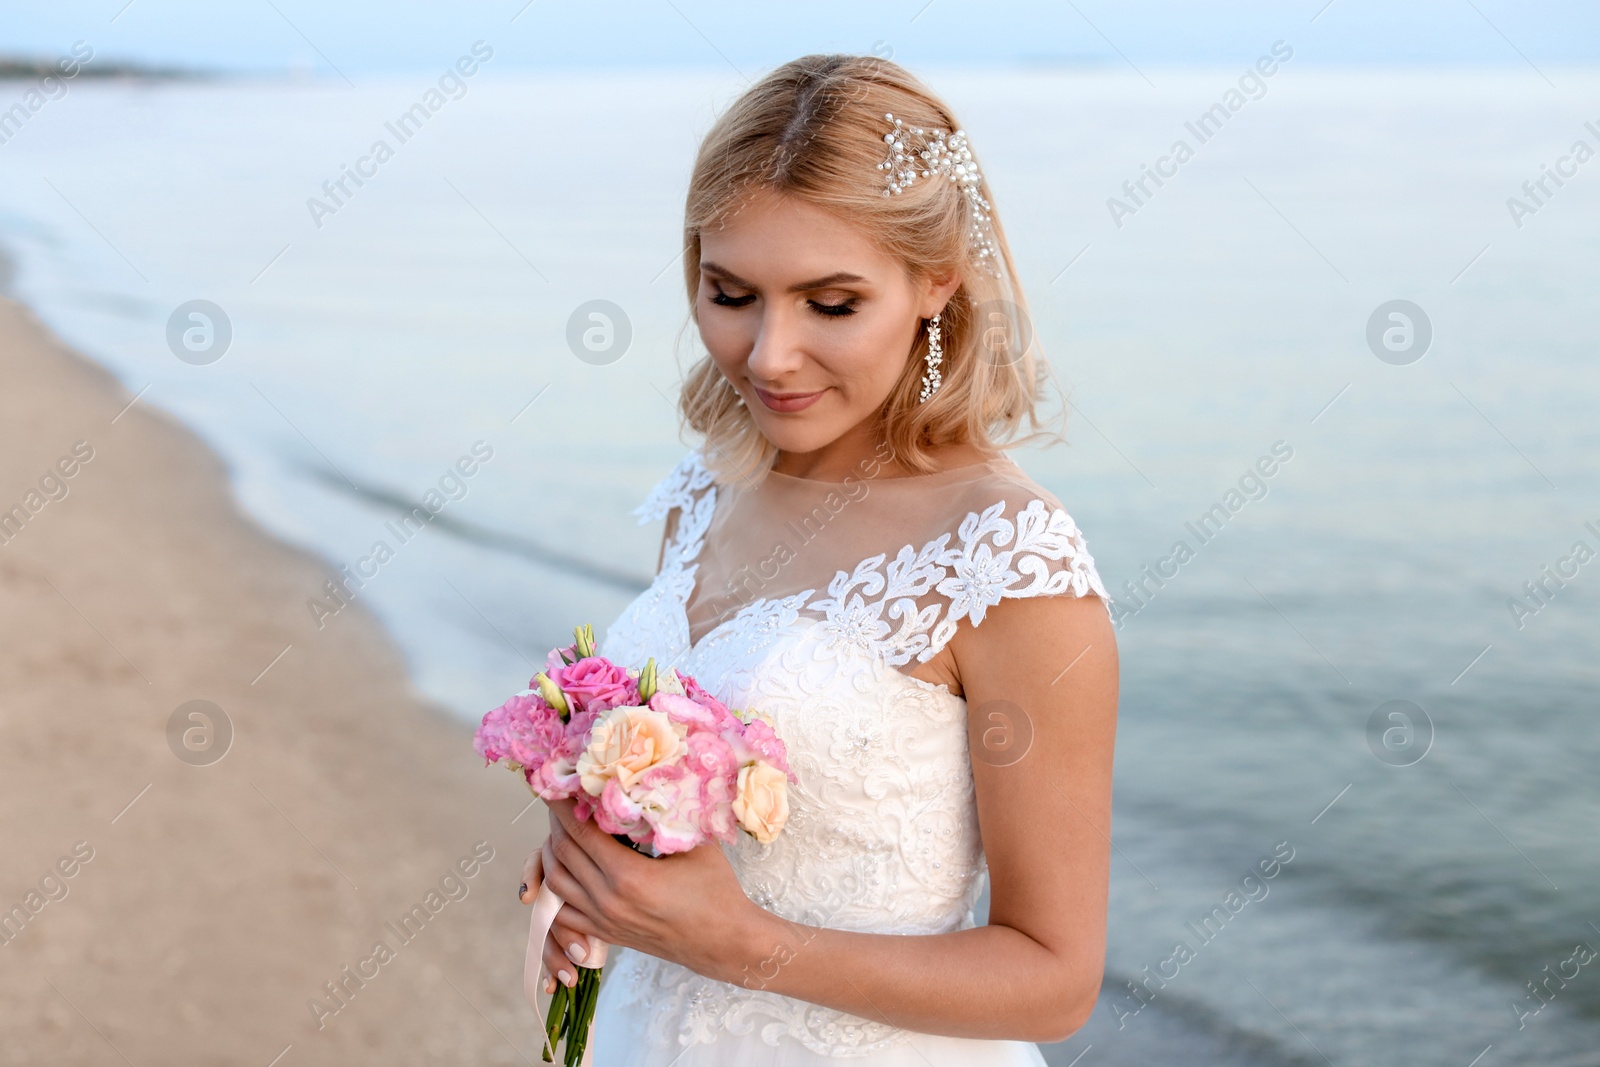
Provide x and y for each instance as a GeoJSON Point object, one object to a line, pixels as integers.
{"type": "Point", "coordinates": [555, 1020]}
{"type": "Point", "coordinates": [572, 1008]}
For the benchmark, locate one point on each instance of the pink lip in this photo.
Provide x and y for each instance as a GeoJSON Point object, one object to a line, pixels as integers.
{"type": "Point", "coordinates": [787, 401]}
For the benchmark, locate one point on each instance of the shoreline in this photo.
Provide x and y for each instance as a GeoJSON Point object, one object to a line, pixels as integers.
{"type": "Point", "coordinates": [234, 911]}
{"type": "Point", "coordinates": [213, 900]}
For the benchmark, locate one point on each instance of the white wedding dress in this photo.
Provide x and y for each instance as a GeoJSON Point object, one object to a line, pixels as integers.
{"type": "Point", "coordinates": [809, 595]}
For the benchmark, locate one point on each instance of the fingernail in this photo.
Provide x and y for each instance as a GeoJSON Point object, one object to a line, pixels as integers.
{"type": "Point", "coordinates": [523, 891]}
{"type": "Point", "coordinates": [575, 951]}
{"type": "Point", "coordinates": [566, 976]}
{"type": "Point", "coordinates": [549, 985]}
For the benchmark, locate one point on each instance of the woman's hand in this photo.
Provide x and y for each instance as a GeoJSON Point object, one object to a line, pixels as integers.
{"type": "Point", "coordinates": [557, 959]}
{"type": "Point", "coordinates": [567, 943]}
{"type": "Point", "coordinates": [688, 907]}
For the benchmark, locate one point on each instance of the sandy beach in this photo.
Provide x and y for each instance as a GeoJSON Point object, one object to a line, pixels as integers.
{"type": "Point", "coordinates": [164, 905]}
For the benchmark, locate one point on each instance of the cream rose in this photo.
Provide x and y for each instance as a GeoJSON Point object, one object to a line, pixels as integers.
{"type": "Point", "coordinates": [624, 743]}
{"type": "Point", "coordinates": [761, 803]}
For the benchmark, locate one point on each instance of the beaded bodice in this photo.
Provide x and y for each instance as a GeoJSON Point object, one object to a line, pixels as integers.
{"type": "Point", "coordinates": [882, 834]}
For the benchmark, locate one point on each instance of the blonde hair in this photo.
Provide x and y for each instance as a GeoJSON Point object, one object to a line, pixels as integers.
{"type": "Point", "coordinates": [813, 128]}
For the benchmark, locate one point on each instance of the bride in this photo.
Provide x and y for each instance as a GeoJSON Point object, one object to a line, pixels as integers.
{"type": "Point", "coordinates": [851, 551]}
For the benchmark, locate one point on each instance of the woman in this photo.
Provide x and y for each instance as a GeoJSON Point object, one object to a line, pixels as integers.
{"type": "Point", "coordinates": [851, 552]}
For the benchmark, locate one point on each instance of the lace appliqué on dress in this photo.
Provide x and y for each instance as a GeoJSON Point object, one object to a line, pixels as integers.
{"type": "Point", "coordinates": [654, 622]}
{"type": "Point", "coordinates": [681, 1008]}
{"type": "Point", "coordinates": [992, 558]}
{"type": "Point", "coordinates": [883, 831]}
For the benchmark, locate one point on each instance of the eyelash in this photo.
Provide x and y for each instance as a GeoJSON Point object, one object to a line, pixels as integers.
{"type": "Point", "coordinates": [830, 310]}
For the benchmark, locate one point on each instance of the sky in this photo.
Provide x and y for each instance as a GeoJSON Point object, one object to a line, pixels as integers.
{"type": "Point", "coordinates": [353, 38]}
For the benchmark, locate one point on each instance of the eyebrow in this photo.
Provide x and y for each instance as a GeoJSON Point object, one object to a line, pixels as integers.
{"type": "Point", "coordinates": [816, 283]}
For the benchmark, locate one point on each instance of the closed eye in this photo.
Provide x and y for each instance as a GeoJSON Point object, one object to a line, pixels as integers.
{"type": "Point", "coordinates": [725, 300]}
{"type": "Point", "coordinates": [846, 307]}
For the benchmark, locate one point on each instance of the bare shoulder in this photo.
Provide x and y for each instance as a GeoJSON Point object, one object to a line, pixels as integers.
{"type": "Point", "coordinates": [1033, 646]}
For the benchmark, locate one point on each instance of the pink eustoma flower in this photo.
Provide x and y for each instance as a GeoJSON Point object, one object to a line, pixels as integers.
{"type": "Point", "coordinates": [595, 683]}
{"type": "Point", "coordinates": [684, 710]}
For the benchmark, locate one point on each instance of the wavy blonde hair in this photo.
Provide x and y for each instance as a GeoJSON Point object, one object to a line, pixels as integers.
{"type": "Point", "coordinates": [813, 128]}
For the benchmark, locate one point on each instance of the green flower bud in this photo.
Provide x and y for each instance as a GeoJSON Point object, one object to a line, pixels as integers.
{"type": "Point", "coordinates": [552, 693]}
{"type": "Point", "coordinates": [647, 681]}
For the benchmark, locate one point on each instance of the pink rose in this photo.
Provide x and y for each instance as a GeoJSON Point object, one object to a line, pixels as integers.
{"type": "Point", "coordinates": [595, 683]}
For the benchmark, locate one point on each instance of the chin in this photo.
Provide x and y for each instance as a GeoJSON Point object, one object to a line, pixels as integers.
{"type": "Point", "coordinates": [795, 434]}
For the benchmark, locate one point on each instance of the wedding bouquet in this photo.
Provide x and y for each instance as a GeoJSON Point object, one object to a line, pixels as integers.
{"type": "Point", "coordinates": [653, 759]}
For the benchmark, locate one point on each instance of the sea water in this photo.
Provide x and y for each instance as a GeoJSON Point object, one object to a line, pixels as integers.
{"type": "Point", "coordinates": [1206, 313]}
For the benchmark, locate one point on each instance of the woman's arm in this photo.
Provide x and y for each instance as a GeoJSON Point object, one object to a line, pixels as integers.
{"type": "Point", "coordinates": [1049, 665]}
{"type": "Point", "coordinates": [1046, 667]}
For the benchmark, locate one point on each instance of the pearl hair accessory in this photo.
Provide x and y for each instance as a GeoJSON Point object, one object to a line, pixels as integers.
{"type": "Point", "coordinates": [915, 151]}
{"type": "Point", "coordinates": [933, 357]}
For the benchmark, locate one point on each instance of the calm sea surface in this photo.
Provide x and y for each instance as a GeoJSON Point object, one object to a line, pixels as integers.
{"type": "Point", "coordinates": [379, 339]}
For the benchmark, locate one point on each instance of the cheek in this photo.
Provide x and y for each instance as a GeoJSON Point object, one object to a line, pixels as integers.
{"type": "Point", "coordinates": [871, 355]}
{"type": "Point", "coordinates": [727, 340]}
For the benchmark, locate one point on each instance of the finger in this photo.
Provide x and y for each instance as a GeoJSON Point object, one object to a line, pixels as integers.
{"type": "Point", "coordinates": [556, 963]}
{"type": "Point", "coordinates": [572, 941]}
{"type": "Point", "coordinates": [557, 953]}
{"type": "Point", "coordinates": [571, 945]}
{"type": "Point", "coordinates": [608, 856]}
{"type": "Point", "coordinates": [586, 832]}
{"type": "Point", "coordinates": [532, 876]}
{"type": "Point", "coordinates": [570, 847]}
{"type": "Point", "coordinates": [561, 881]}
{"type": "Point", "coordinates": [574, 925]}
{"type": "Point", "coordinates": [565, 812]}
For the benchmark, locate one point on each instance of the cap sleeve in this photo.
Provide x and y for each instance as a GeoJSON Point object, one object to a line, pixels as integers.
{"type": "Point", "coordinates": [1003, 538]}
{"type": "Point", "coordinates": [1007, 551]}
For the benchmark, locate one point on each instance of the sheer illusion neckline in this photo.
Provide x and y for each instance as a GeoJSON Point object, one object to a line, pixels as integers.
{"type": "Point", "coordinates": [719, 496]}
{"type": "Point", "coordinates": [932, 476]}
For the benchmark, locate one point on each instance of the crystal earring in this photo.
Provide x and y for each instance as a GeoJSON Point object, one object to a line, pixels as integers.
{"type": "Point", "coordinates": [934, 356]}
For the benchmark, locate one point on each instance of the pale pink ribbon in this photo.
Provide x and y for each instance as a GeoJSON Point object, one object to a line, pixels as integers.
{"type": "Point", "coordinates": [545, 906]}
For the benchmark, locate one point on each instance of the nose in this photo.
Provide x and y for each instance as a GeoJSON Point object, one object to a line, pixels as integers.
{"type": "Point", "coordinates": [778, 350]}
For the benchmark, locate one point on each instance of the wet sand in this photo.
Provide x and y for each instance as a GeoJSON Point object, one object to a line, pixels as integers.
{"type": "Point", "coordinates": [165, 905]}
